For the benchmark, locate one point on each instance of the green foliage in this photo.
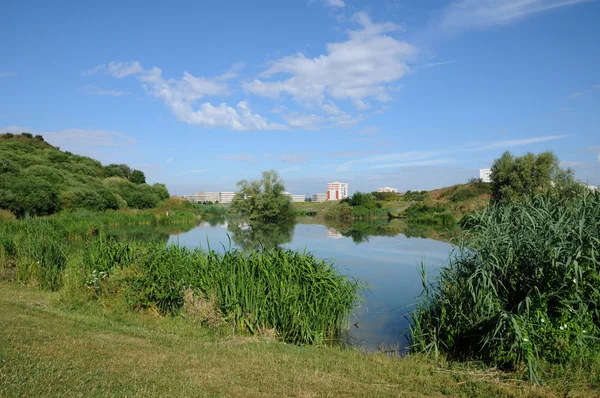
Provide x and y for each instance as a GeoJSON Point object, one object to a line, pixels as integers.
{"type": "Point", "coordinates": [516, 178]}
{"type": "Point", "coordinates": [419, 213]}
{"type": "Point", "coordinates": [415, 196]}
{"type": "Point", "coordinates": [263, 200]}
{"type": "Point", "coordinates": [386, 196]}
{"type": "Point", "coordinates": [137, 177]}
{"type": "Point", "coordinates": [38, 180]}
{"type": "Point", "coordinates": [523, 288]}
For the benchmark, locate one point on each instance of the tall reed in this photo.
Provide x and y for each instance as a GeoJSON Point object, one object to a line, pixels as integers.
{"type": "Point", "coordinates": [522, 289]}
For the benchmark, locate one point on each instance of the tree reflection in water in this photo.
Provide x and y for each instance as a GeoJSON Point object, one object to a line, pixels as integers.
{"type": "Point", "coordinates": [256, 235]}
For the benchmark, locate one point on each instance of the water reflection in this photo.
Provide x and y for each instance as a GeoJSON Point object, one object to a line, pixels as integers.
{"type": "Point", "coordinates": [256, 235]}
{"type": "Point", "coordinates": [385, 255]}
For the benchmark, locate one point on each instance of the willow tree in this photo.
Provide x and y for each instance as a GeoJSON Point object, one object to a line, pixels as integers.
{"type": "Point", "coordinates": [263, 200]}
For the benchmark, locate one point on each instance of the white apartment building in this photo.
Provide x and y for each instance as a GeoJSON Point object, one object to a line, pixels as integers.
{"type": "Point", "coordinates": [194, 198]}
{"type": "Point", "coordinates": [296, 198]}
{"type": "Point", "coordinates": [485, 175]}
{"type": "Point", "coordinates": [226, 197]}
{"type": "Point", "coordinates": [337, 190]}
{"type": "Point", "coordinates": [319, 197]}
{"type": "Point", "coordinates": [387, 189]}
{"type": "Point", "coordinates": [212, 197]}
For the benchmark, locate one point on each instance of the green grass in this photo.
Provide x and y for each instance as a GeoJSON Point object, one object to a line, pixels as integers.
{"type": "Point", "coordinates": [51, 349]}
{"type": "Point", "coordinates": [522, 290]}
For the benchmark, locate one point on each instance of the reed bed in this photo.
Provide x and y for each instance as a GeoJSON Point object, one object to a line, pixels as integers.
{"type": "Point", "coordinates": [522, 289]}
{"type": "Point", "coordinates": [302, 299]}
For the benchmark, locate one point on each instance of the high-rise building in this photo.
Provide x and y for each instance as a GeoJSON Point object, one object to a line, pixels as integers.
{"type": "Point", "coordinates": [337, 190]}
{"type": "Point", "coordinates": [485, 175]}
{"type": "Point", "coordinates": [319, 197]}
{"type": "Point", "coordinates": [387, 189]}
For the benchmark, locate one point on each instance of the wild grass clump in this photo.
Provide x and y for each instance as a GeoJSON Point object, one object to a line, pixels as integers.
{"type": "Point", "coordinates": [522, 290]}
{"type": "Point", "coordinates": [305, 300]}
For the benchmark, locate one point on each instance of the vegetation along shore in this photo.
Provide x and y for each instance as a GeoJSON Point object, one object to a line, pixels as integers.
{"type": "Point", "coordinates": [514, 313]}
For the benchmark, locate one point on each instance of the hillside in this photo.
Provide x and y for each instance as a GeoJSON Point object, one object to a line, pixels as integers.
{"type": "Point", "coordinates": [456, 200]}
{"type": "Point", "coordinates": [39, 179]}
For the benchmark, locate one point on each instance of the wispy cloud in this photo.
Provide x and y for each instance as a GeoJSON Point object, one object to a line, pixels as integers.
{"type": "Point", "coordinates": [91, 89]}
{"type": "Point", "coordinates": [432, 64]}
{"type": "Point", "coordinates": [169, 160]}
{"type": "Point", "coordinates": [294, 159]}
{"type": "Point", "coordinates": [427, 162]}
{"type": "Point", "coordinates": [437, 157]}
{"type": "Point", "coordinates": [7, 74]}
{"type": "Point", "coordinates": [506, 144]}
{"type": "Point", "coordinates": [476, 14]}
{"type": "Point", "coordinates": [580, 94]}
{"type": "Point", "coordinates": [248, 158]}
{"type": "Point", "coordinates": [335, 3]}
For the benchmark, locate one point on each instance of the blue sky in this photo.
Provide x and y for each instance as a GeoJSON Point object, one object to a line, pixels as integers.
{"type": "Point", "coordinates": [409, 94]}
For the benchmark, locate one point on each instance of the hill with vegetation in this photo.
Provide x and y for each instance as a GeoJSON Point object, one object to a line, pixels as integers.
{"type": "Point", "coordinates": [38, 179]}
{"type": "Point", "coordinates": [441, 207]}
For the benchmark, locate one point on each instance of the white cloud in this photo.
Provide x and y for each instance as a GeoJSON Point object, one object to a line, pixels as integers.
{"type": "Point", "coordinates": [362, 67]}
{"type": "Point", "coordinates": [124, 69]}
{"type": "Point", "coordinates": [335, 3]}
{"type": "Point", "coordinates": [519, 142]}
{"type": "Point", "coordinates": [583, 93]}
{"type": "Point", "coordinates": [402, 157]}
{"type": "Point", "coordinates": [473, 14]}
{"type": "Point", "coordinates": [181, 96]}
{"type": "Point", "coordinates": [572, 163]}
{"type": "Point", "coordinates": [169, 160]}
{"type": "Point", "coordinates": [436, 157]}
{"type": "Point", "coordinates": [7, 74]}
{"type": "Point", "coordinates": [432, 64]}
{"type": "Point", "coordinates": [90, 89]}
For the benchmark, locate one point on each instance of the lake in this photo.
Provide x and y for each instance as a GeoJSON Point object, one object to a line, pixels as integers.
{"type": "Point", "coordinates": [388, 264]}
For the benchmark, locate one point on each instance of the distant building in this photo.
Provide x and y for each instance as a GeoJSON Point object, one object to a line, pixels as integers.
{"type": "Point", "coordinates": [485, 175]}
{"type": "Point", "coordinates": [387, 189]}
{"type": "Point", "coordinates": [212, 197]}
{"type": "Point", "coordinates": [296, 198]}
{"type": "Point", "coordinates": [337, 190]}
{"type": "Point", "coordinates": [319, 197]}
{"type": "Point", "coordinates": [226, 197]}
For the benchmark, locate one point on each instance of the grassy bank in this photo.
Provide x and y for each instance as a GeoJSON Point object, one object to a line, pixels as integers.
{"type": "Point", "coordinates": [51, 349]}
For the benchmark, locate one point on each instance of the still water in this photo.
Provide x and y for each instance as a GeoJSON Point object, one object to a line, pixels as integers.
{"type": "Point", "coordinates": [388, 264]}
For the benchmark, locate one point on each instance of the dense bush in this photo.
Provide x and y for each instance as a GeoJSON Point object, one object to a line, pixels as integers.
{"type": "Point", "coordinates": [523, 289]}
{"type": "Point", "coordinates": [37, 179]}
{"type": "Point", "coordinates": [415, 196]}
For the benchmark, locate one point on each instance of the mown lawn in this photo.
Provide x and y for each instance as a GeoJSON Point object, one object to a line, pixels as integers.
{"type": "Point", "coordinates": [49, 349]}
